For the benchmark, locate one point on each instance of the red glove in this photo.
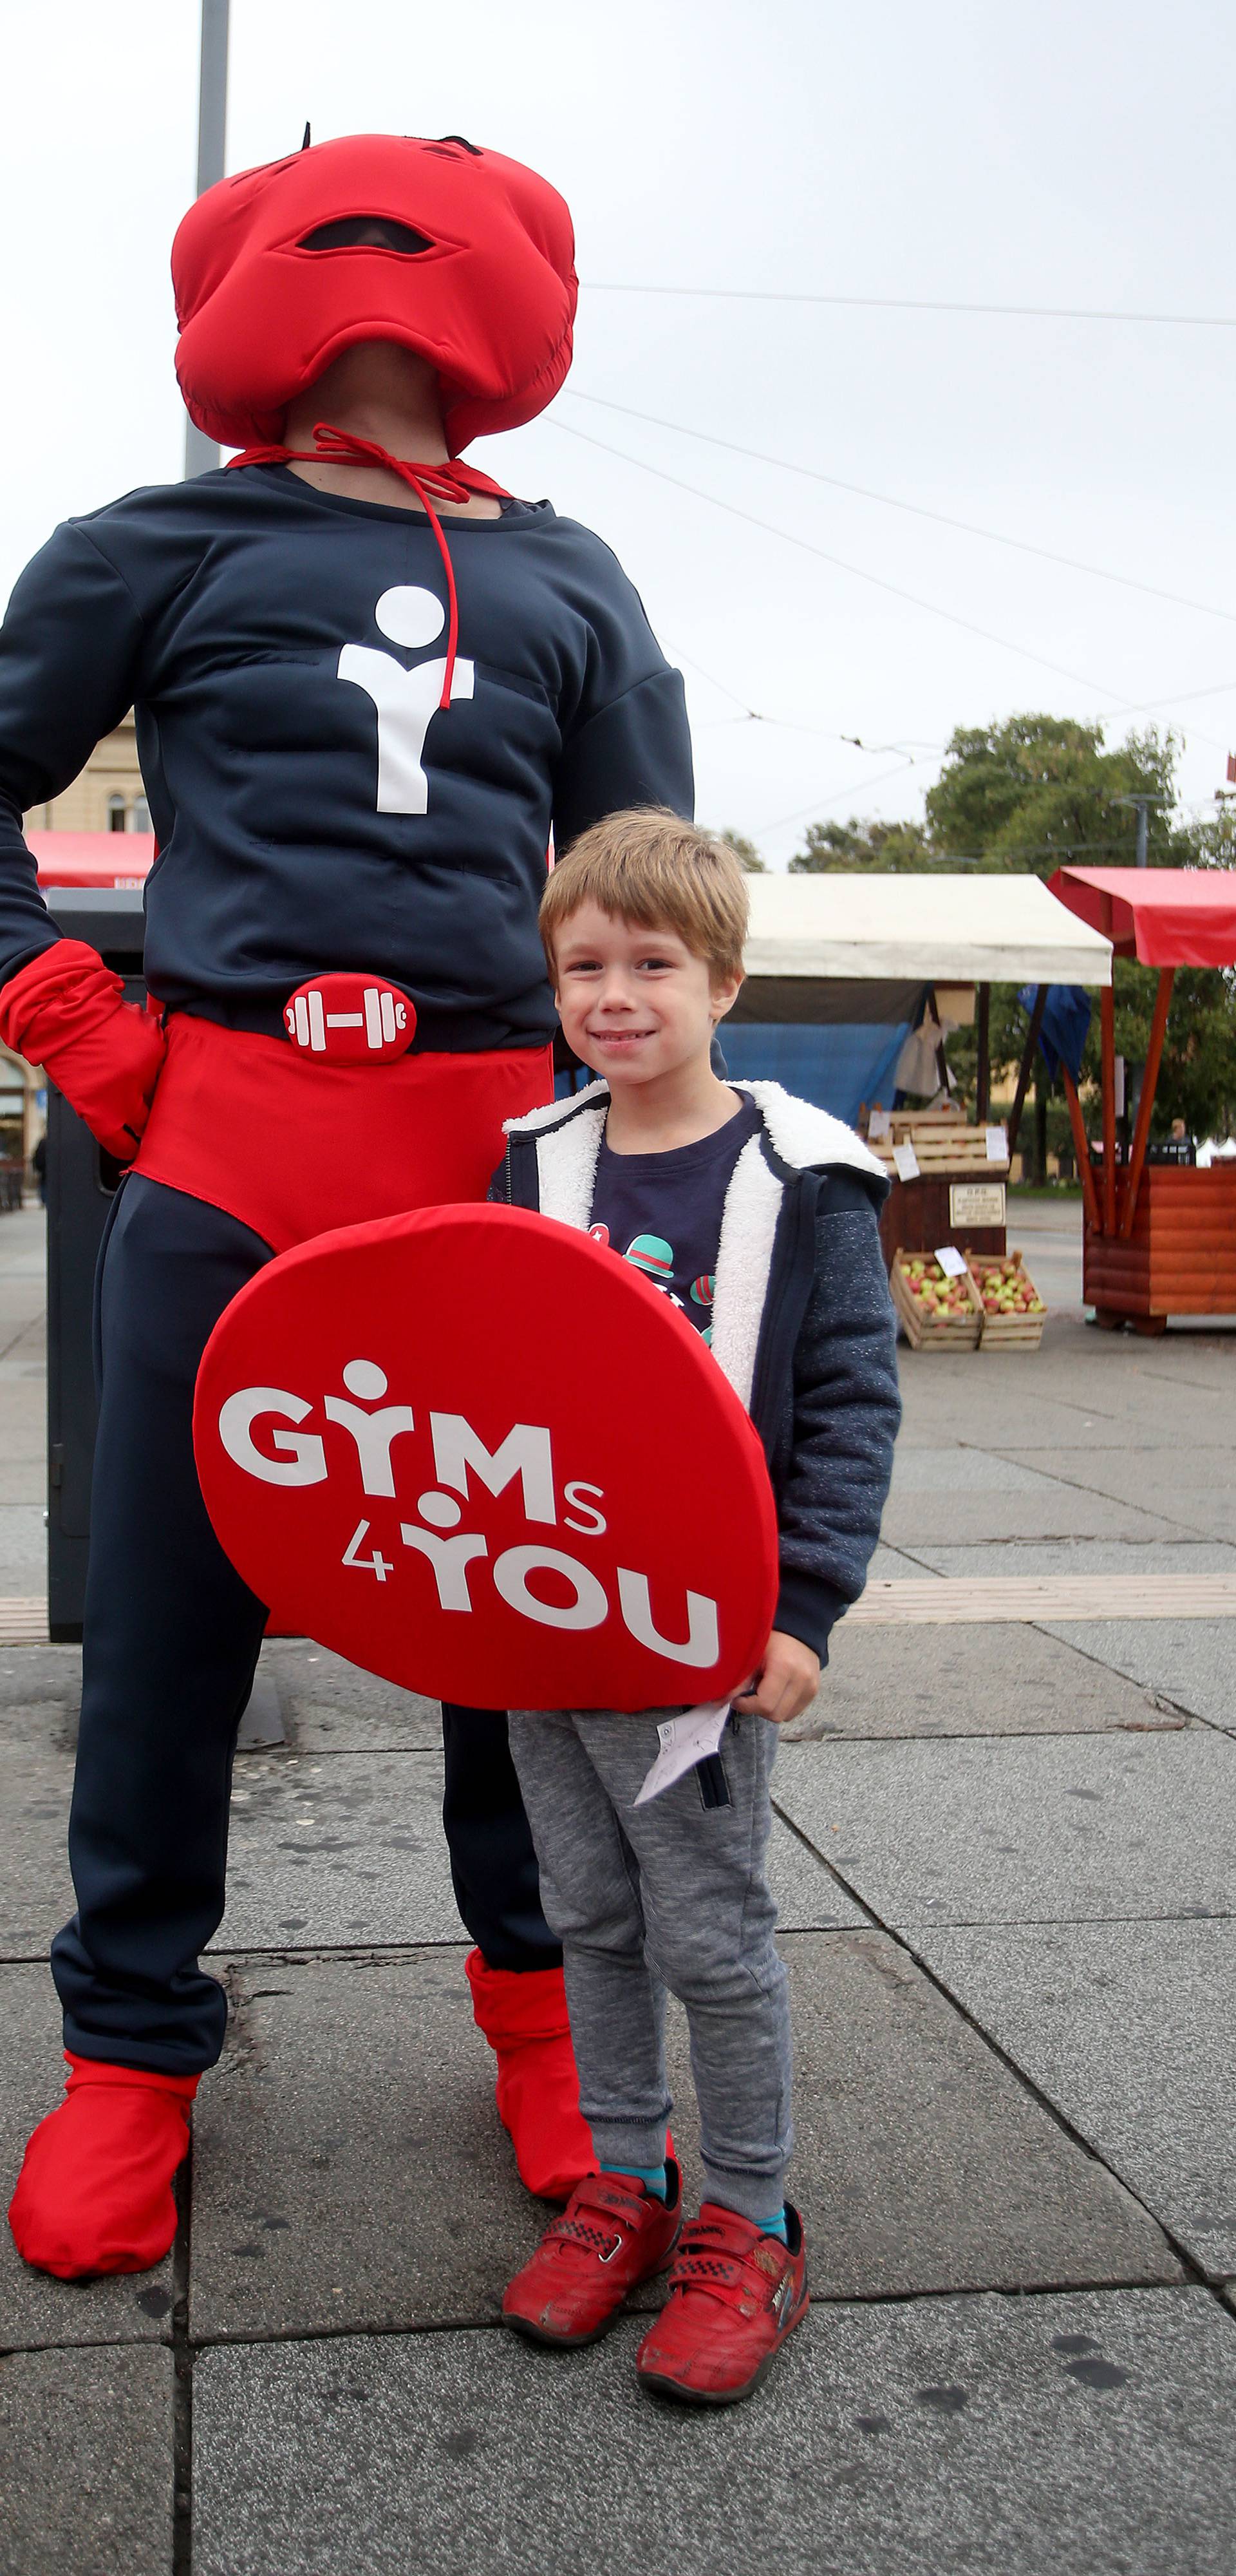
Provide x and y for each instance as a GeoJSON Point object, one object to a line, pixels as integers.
{"type": "Point", "coordinates": [65, 1010]}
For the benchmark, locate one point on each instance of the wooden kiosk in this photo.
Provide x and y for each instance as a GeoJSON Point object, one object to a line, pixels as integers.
{"type": "Point", "coordinates": [1160, 1239]}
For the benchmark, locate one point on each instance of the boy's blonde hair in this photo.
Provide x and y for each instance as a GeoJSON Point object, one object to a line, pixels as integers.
{"type": "Point", "coordinates": [649, 867]}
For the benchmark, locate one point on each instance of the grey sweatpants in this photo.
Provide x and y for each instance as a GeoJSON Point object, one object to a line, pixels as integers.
{"type": "Point", "coordinates": [671, 1894]}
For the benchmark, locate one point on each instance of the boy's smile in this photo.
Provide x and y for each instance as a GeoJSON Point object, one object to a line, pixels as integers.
{"type": "Point", "coordinates": [638, 1006]}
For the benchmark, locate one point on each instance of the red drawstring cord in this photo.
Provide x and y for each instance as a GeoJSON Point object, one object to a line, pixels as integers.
{"type": "Point", "coordinates": [450, 482]}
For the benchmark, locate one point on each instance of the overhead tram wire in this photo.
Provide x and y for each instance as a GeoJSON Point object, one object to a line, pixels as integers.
{"type": "Point", "coordinates": [1121, 707]}
{"type": "Point", "coordinates": [785, 724]}
{"type": "Point", "coordinates": [789, 538]}
{"type": "Point", "coordinates": [918, 304]}
{"type": "Point", "coordinates": [916, 509]}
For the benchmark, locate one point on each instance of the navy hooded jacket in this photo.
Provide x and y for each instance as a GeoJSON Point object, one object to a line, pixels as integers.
{"type": "Point", "coordinates": [283, 651]}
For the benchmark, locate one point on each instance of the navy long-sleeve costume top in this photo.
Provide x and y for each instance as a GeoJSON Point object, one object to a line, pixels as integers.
{"type": "Point", "coordinates": [311, 812]}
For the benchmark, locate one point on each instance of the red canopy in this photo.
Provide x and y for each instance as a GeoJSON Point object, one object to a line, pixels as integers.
{"type": "Point", "coordinates": [92, 858]}
{"type": "Point", "coordinates": [1164, 916]}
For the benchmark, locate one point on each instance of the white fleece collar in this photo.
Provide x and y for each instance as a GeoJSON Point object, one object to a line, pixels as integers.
{"type": "Point", "coordinates": [800, 1134]}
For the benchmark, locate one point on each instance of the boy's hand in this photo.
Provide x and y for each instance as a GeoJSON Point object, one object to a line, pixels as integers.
{"type": "Point", "coordinates": [786, 1682]}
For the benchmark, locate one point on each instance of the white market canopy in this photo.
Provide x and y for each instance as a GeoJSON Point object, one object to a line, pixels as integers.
{"type": "Point", "coordinates": [919, 929]}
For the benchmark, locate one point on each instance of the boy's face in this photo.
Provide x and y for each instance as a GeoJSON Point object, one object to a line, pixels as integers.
{"type": "Point", "coordinates": [635, 1004]}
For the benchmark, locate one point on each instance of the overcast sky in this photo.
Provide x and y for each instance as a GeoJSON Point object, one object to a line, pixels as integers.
{"type": "Point", "coordinates": [1071, 153]}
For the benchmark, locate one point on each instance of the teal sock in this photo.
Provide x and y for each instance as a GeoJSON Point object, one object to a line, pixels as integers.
{"type": "Point", "coordinates": [654, 2177]}
{"type": "Point", "coordinates": [774, 2226]}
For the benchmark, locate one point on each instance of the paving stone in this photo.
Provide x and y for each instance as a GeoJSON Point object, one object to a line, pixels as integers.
{"type": "Point", "coordinates": [960, 1468]}
{"type": "Point", "coordinates": [34, 2309]}
{"type": "Point", "coordinates": [32, 1673]}
{"type": "Point", "coordinates": [22, 1481]}
{"type": "Point", "coordinates": [337, 1851]}
{"type": "Point", "coordinates": [1034, 1829]}
{"type": "Point", "coordinates": [36, 1780]}
{"type": "Point", "coordinates": [1189, 1663]}
{"type": "Point", "coordinates": [1136, 1475]}
{"type": "Point", "coordinates": [809, 1898]}
{"type": "Point", "coordinates": [1128, 2028]}
{"type": "Point", "coordinates": [87, 2444]}
{"type": "Point", "coordinates": [349, 2170]}
{"type": "Point", "coordinates": [929, 1522]}
{"type": "Point", "coordinates": [1176, 1555]}
{"type": "Point", "coordinates": [887, 1566]}
{"type": "Point", "coordinates": [1000, 2437]}
{"type": "Point", "coordinates": [334, 1707]}
{"type": "Point", "coordinates": [23, 1548]}
{"type": "Point", "coordinates": [995, 1680]}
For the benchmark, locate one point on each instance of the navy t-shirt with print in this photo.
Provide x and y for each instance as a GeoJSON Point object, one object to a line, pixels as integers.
{"type": "Point", "coordinates": [663, 1212]}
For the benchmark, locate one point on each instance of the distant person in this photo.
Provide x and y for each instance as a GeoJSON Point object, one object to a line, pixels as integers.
{"type": "Point", "coordinates": [758, 1217]}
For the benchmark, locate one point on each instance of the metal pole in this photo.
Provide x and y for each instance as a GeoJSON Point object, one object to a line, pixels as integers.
{"type": "Point", "coordinates": [1023, 1078]}
{"type": "Point", "coordinates": [1142, 805]}
{"type": "Point", "coordinates": [982, 1104]}
{"type": "Point", "coordinates": [201, 453]}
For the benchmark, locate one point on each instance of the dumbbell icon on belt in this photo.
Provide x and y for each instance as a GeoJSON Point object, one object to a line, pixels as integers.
{"type": "Point", "coordinates": [351, 1019]}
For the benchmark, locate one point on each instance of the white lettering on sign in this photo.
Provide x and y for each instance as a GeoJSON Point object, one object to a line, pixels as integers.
{"type": "Point", "coordinates": [450, 1559]}
{"type": "Point", "coordinates": [526, 1452]}
{"type": "Point", "coordinates": [636, 1602]}
{"type": "Point", "coordinates": [373, 1433]}
{"type": "Point", "coordinates": [304, 1461]}
{"type": "Point", "coordinates": [376, 1564]}
{"type": "Point", "coordinates": [589, 1608]}
{"type": "Point", "coordinates": [524, 1456]}
{"type": "Point", "coordinates": [595, 1522]}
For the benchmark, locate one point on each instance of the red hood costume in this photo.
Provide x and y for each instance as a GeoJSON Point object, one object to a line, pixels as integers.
{"type": "Point", "coordinates": [341, 940]}
{"type": "Point", "coordinates": [484, 285]}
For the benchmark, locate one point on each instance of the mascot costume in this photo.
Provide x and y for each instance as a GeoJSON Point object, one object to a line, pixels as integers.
{"type": "Point", "coordinates": [357, 731]}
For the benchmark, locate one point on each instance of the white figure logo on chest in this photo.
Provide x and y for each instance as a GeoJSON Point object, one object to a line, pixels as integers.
{"type": "Point", "coordinates": [406, 701]}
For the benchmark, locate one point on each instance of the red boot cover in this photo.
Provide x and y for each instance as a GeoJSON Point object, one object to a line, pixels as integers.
{"type": "Point", "coordinates": [95, 2190]}
{"type": "Point", "coordinates": [66, 1010]}
{"type": "Point", "coordinates": [524, 2019]}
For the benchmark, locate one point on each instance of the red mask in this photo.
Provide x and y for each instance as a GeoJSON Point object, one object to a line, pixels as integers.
{"type": "Point", "coordinates": [482, 282]}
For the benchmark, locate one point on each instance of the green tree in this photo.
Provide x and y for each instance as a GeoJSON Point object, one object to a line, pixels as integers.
{"type": "Point", "coordinates": [745, 851]}
{"type": "Point", "coordinates": [888, 849]}
{"type": "Point", "coordinates": [1030, 794]}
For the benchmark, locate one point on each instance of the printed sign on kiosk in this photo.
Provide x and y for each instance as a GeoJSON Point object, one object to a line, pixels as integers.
{"type": "Point", "coordinates": [475, 1452]}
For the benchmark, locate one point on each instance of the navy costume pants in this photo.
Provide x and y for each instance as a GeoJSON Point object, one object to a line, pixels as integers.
{"type": "Point", "coordinates": [171, 1640]}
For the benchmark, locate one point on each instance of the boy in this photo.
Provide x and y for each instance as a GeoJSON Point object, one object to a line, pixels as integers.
{"type": "Point", "coordinates": [756, 1214]}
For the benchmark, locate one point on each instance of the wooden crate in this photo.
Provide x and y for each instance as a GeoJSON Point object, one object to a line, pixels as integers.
{"type": "Point", "coordinates": [954, 1332]}
{"type": "Point", "coordinates": [1017, 1332]}
{"type": "Point", "coordinates": [942, 1139]}
{"type": "Point", "coordinates": [917, 1215]}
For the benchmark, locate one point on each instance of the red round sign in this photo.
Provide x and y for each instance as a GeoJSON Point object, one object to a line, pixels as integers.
{"type": "Point", "coordinates": [473, 1451]}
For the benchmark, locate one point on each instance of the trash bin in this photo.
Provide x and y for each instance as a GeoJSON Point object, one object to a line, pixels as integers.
{"type": "Point", "coordinates": [81, 1183]}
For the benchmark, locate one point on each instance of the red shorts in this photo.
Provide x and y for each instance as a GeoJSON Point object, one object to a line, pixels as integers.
{"type": "Point", "coordinates": [293, 1147]}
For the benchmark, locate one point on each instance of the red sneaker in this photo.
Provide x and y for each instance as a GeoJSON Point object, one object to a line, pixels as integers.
{"type": "Point", "coordinates": [95, 2190]}
{"type": "Point", "coordinates": [613, 2234]}
{"type": "Point", "coordinates": [734, 2296]}
{"type": "Point", "coordinates": [523, 2015]}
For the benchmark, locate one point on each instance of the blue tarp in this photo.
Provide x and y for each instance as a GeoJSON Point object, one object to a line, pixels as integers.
{"type": "Point", "coordinates": [1066, 1025]}
{"type": "Point", "coordinates": [837, 1067]}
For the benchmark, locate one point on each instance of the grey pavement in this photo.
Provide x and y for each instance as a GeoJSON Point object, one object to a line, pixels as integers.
{"type": "Point", "coordinates": [1005, 2437]}
{"type": "Point", "coordinates": [1006, 1889]}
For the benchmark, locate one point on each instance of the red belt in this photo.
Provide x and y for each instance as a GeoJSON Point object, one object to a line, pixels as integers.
{"type": "Point", "coordinates": [293, 1140]}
